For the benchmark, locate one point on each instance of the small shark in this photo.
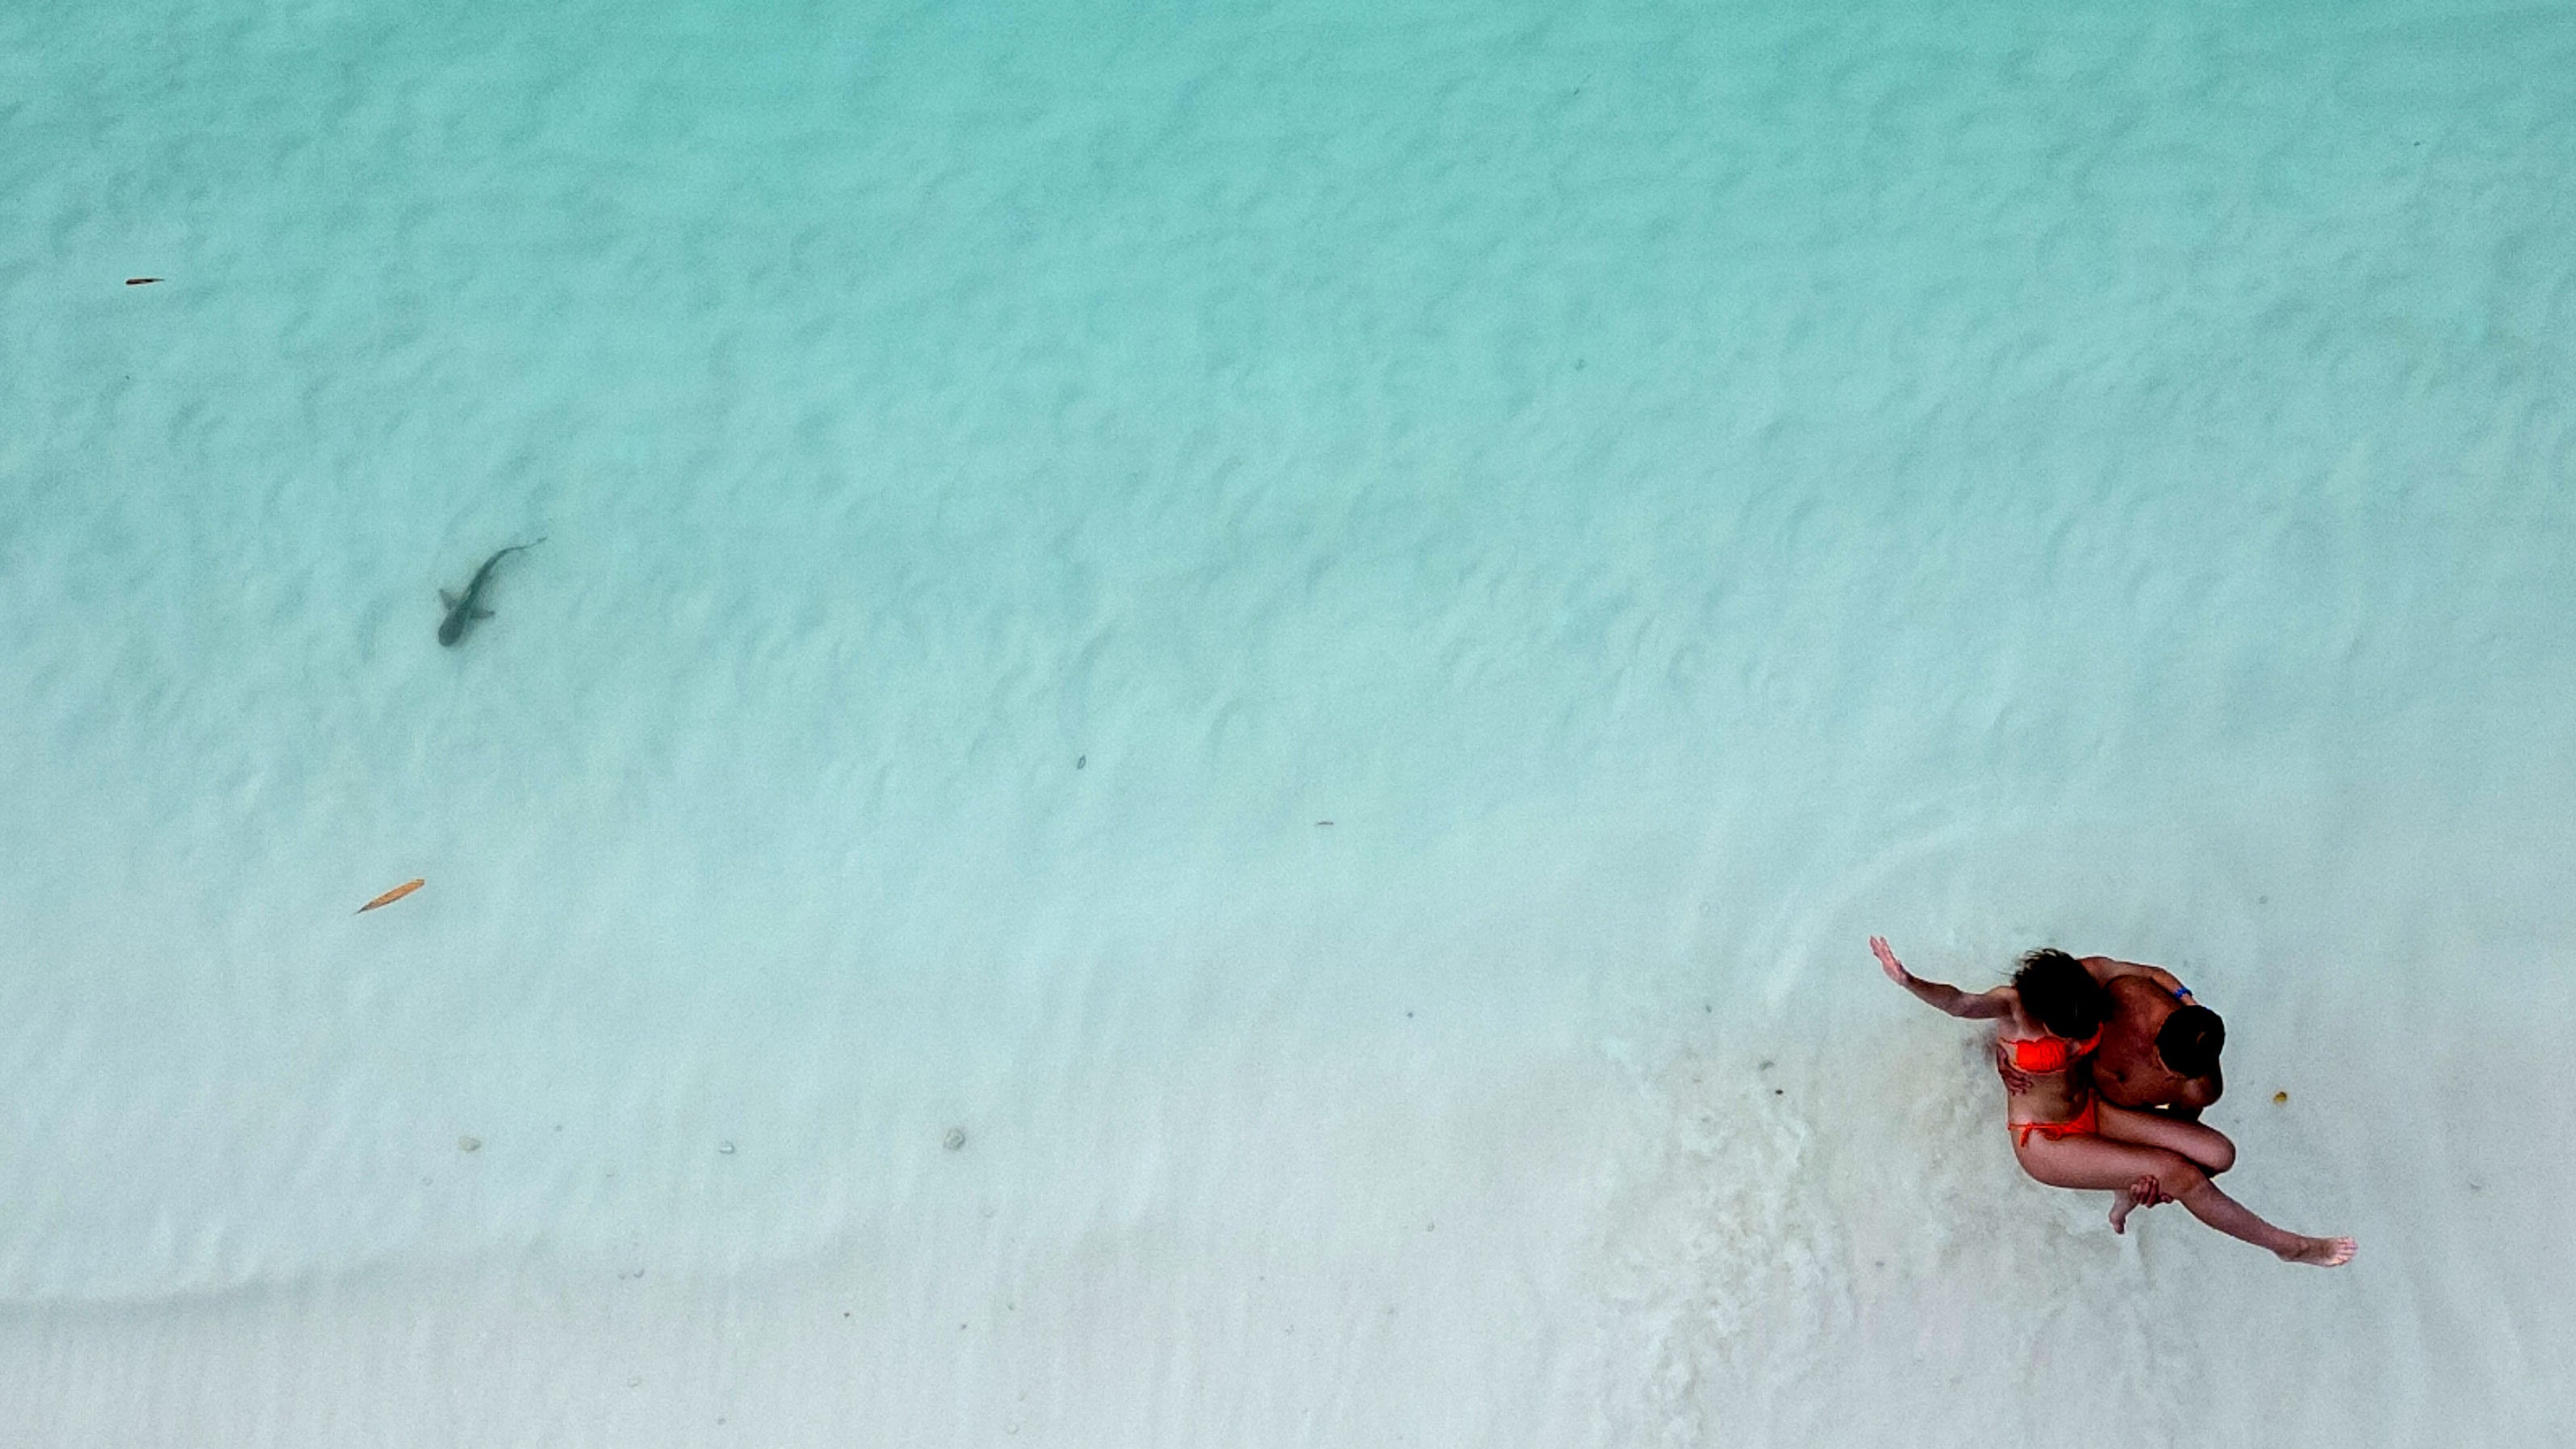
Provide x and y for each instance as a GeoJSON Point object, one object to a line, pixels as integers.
{"type": "Point", "coordinates": [462, 611]}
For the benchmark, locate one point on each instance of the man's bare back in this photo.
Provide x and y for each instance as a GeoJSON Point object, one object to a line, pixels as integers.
{"type": "Point", "coordinates": [2129, 1070]}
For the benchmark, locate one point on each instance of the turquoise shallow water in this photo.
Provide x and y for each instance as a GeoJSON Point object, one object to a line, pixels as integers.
{"type": "Point", "coordinates": [1676, 488]}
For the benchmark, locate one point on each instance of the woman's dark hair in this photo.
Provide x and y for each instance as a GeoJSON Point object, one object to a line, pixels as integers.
{"type": "Point", "coordinates": [2057, 989]}
{"type": "Point", "coordinates": [2190, 1039]}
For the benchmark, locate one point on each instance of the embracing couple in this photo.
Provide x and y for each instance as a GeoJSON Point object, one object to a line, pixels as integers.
{"type": "Point", "coordinates": [2107, 1065]}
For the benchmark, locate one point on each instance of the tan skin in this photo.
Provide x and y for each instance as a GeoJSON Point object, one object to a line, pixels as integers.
{"type": "Point", "coordinates": [2127, 1069]}
{"type": "Point", "coordinates": [2138, 1157]}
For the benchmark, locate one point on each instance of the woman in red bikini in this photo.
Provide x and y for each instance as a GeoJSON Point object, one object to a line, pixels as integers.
{"type": "Point", "coordinates": [2065, 1136]}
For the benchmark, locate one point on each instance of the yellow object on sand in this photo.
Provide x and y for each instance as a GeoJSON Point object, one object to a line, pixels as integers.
{"type": "Point", "coordinates": [391, 896]}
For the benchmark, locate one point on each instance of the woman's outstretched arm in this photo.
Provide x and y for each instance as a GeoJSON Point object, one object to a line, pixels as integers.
{"type": "Point", "coordinates": [1974, 1005]}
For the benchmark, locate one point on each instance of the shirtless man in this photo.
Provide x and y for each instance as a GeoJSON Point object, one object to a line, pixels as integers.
{"type": "Point", "coordinates": [2159, 1050]}
{"type": "Point", "coordinates": [2051, 1020]}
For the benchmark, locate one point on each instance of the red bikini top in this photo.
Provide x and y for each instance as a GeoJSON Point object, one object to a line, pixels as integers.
{"type": "Point", "coordinates": [2052, 1053]}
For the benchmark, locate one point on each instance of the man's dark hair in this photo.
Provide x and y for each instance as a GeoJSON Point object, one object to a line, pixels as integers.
{"type": "Point", "coordinates": [2057, 989]}
{"type": "Point", "coordinates": [2190, 1039]}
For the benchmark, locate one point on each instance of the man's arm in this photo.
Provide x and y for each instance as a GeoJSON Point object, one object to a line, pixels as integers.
{"type": "Point", "coordinates": [1974, 1005]}
{"type": "Point", "coordinates": [2199, 1092]}
{"type": "Point", "coordinates": [2106, 970]}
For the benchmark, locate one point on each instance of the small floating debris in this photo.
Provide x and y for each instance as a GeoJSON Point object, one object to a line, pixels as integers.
{"type": "Point", "coordinates": [469, 1144]}
{"type": "Point", "coordinates": [1081, 760]}
{"type": "Point", "coordinates": [141, 281]}
{"type": "Point", "coordinates": [1321, 823]}
{"type": "Point", "coordinates": [2279, 1097]}
{"type": "Point", "coordinates": [725, 1147]}
{"type": "Point", "coordinates": [955, 1139]}
{"type": "Point", "coordinates": [391, 896]}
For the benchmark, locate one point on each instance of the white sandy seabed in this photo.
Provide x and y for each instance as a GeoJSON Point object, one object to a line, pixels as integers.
{"type": "Point", "coordinates": [1324, 632]}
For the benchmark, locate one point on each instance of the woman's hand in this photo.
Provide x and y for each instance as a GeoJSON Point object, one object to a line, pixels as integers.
{"type": "Point", "coordinates": [1974, 1005]}
{"type": "Point", "coordinates": [1887, 961]}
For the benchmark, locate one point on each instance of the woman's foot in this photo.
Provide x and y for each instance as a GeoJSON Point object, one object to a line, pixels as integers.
{"type": "Point", "coordinates": [2323, 1252]}
{"type": "Point", "coordinates": [2145, 1192]}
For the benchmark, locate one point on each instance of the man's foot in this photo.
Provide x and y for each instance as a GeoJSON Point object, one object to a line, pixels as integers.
{"type": "Point", "coordinates": [2323, 1252]}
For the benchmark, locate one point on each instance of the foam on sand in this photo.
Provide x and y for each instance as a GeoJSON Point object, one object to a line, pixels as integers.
{"type": "Point", "coordinates": [1676, 493]}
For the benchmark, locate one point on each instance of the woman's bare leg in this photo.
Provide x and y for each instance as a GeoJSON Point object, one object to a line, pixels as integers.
{"type": "Point", "coordinates": [2114, 1166]}
{"type": "Point", "coordinates": [2145, 1192]}
{"type": "Point", "coordinates": [2206, 1146]}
